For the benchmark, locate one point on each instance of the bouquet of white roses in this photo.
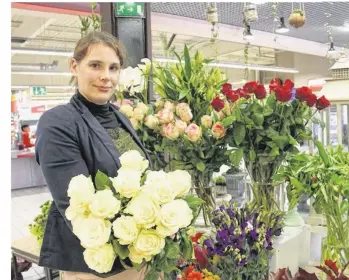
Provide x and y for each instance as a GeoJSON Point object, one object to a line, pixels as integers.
{"type": "Point", "coordinates": [138, 217]}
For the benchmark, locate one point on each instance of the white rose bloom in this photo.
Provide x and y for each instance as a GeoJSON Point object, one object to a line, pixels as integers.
{"type": "Point", "coordinates": [142, 107]}
{"type": "Point", "coordinates": [144, 210]}
{"type": "Point", "coordinates": [92, 231]}
{"type": "Point", "coordinates": [173, 216]}
{"type": "Point", "coordinates": [100, 259]}
{"type": "Point", "coordinates": [151, 121]}
{"type": "Point", "coordinates": [104, 204]}
{"type": "Point", "coordinates": [81, 186]}
{"type": "Point", "coordinates": [127, 110]}
{"type": "Point", "coordinates": [138, 114]}
{"type": "Point", "coordinates": [148, 243]}
{"type": "Point", "coordinates": [160, 193]}
{"type": "Point", "coordinates": [180, 181]}
{"type": "Point", "coordinates": [137, 257]}
{"type": "Point", "coordinates": [134, 160]}
{"type": "Point", "coordinates": [127, 182]}
{"type": "Point", "coordinates": [154, 177]}
{"type": "Point", "coordinates": [130, 79]}
{"type": "Point", "coordinates": [125, 229]}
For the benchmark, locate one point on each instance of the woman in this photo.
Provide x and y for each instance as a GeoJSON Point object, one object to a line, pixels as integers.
{"type": "Point", "coordinates": [86, 135]}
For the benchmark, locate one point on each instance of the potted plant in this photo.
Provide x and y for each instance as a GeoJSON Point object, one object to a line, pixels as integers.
{"type": "Point", "coordinates": [297, 18]}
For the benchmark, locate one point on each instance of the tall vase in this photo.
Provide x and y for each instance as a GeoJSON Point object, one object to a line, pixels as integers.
{"type": "Point", "coordinates": [335, 246]}
{"type": "Point", "coordinates": [204, 188]}
{"type": "Point", "coordinates": [261, 173]}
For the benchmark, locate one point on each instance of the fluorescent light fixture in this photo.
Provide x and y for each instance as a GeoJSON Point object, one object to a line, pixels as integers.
{"type": "Point", "coordinates": [240, 66]}
{"type": "Point", "coordinates": [282, 28]}
{"type": "Point", "coordinates": [48, 87]}
{"type": "Point", "coordinates": [41, 52]}
{"type": "Point", "coordinates": [41, 73]}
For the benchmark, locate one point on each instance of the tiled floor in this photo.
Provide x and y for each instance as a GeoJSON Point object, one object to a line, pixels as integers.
{"type": "Point", "coordinates": [25, 205]}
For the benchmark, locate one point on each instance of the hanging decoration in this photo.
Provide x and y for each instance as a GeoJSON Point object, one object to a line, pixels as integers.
{"type": "Point", "coordinates": [297, 17]}
{"type": "Point", "coordinates": [212, 18]}
{"type": "Point", "coordinates": [274, 9]}
{"type": "Point", "coordinates": [250, 12]}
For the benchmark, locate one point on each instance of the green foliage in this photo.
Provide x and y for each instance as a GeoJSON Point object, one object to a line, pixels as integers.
{"type": "Point", "coordinates": [37, 228]}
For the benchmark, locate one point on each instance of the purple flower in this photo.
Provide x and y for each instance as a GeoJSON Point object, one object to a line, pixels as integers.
{"type": "Point", "coordinates": [252, 237]}
{"type": "Point", "coordinates": [230, 212]}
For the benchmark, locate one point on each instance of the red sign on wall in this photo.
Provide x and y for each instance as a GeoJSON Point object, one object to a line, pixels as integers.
{"type": "Point", "coordinates": [38, 109]}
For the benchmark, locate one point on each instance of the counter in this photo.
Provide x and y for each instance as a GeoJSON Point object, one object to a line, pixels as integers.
{"type": "Point", "coordinates": [25, 172]}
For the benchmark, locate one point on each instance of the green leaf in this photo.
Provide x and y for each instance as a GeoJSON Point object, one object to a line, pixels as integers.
{"type": "Point", "coordinates": [271, 101]}
{"type": "Point", "coordinates": [239, 132]}
{"type": "Point", "coordinates": [121, 250]}
{"type": "Point", "coordinates": [267, 111]}
{"type": "Point", "coordinates": [296, 183]}
{"type": "Point", "coordinates": [292, 141]}
{"type": "Point", "coordinates": [153, 275]}
{"type": "Point", "coordinates": [183, 93]}
{"type": "Point", "coordinates": [274, 151]}
{"type": "Point", "coordinates": [228, 121]}
{"type": "Point", "coordinates": [187, 247]}
{"type": "Point", "coordinates": [322, 152]}
{"type": "Point", "coordinates": [201, 166]}
{"type": "Point", "coordinates": [236, 156]}
{"type": "Point", "coordinates": [172, 249]}
{"type": "Point", "coordinates": [103, 182]}
{"type": "Point", "coordinates": [187, 62]}
{"type": "Point", "coordinates": [252, 155]}
{"type": "Point", "coordinates": [193, 201]}
{"type": "Point", "coordinates": [280, 141]}
{"type": "Point", "coordinates": [258, 119]}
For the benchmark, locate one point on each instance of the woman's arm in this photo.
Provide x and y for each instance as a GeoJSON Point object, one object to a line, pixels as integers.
{"type": "Point", "coordinates": [58, 154]}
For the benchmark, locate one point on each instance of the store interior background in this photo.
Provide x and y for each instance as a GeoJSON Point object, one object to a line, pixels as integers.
{"type": "Point", "coordinates": [46, 27]}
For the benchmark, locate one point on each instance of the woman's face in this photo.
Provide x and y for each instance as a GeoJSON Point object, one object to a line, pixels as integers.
{"type": "Point", "coordinates": [97, 73]}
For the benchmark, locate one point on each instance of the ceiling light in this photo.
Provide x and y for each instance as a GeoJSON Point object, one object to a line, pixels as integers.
{"type": "Point", "coordinates": [240, 66]}
{"type": "Point", "coordinates": [331, 50]}
{"type": "Point", "coordinates": [41, 52]}
{"type": "Point", "coordinates": [41, 73]}
{"type": "Point", "coordinates": [282, 28]}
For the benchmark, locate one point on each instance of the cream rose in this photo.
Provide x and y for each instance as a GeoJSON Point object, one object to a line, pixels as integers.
{"type": "Point", "coordinates": [134, 160]}
{"type": "Point", "coordinates": [125, 229]}
{"type": "Point", "coordinates": [165, 116]}
{"type": "Point", "coordinates": [180, 126]}
{"type": "Point", "coordinates": [135, 123]}
{"type": "Point", "coordinates": [169, 106]}
{"type": "Point", "coordinates": [180, 181]}
{"type": "Point", "coordinates": [159, 103]}
{"type": "Point", "coordinates": [218, 130]}
{"type": "Point", "coordinates": [206, 121]}
{"type": "Point", "coordinates": [142, 107]}
{"type": "Point", "coordinates": [127, 182]}
{"type": "Point", "coordinates": [149, 243]}
{"type": "Point", "coordinates": [137, 257]}
{"type": "Point", "coordinates": [81, 186]}
{"type": "Point", "coordinates": [144, 210]}
{"type": "Point", "coordinates": [160, 193]}
{"type": "Point", "coordinates": [127, 110]}
{"type": "Point", "coordinates": [169, 131]}
{"type": "Point", "coordinates": [193, 132]}
{"type": "Point", "coordinates": [151, 121]}
{"type": "Point", "coordinates": [173, 216]}
{"type": "Point", "coordinates": [104, 204]}
{"type": "Point", "coordinates": [154, 177]}
{"type": "Point", "coordinates": [100, 259]}
{"type": "Point", "coordinates": [92, 231]}
{"type": "Point", "coordinates": [184, 112]}
{"type": "Point", "coordinates": [138, 114]}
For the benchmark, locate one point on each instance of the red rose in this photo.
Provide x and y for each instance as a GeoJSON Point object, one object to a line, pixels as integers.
{"type": "Point", "coordinates": [260, 92]}
{"type": "Point", "coordinates": [288, 83]}
{"type": "Point", "coordinates": [250, 87]}
{"type": "Point", "coordinates": [322, 103]}
{"type": "Point", "coordinates": [283, 94]}
{"type": "Point", "coordinates": [232, 96]}
{"type": "Point", "coordinates": [226, 87]}
{"type": "Point", "coordinates": [196, 237]}
{"type": "Point", "coordinates": [303, 93]}
{"type": "Point", "coordinates": [311, 100]}
{"type": "Point", "coordinates": [217, 104]}
{"type": "Point", "coordinates": [274, 83]}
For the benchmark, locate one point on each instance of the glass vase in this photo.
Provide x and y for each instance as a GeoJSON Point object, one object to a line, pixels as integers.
{"type": "Point", "coordinates": [335, 246]}
{"type": "Point", "coordinates": [204, 188]}
{"type": "Point", "coordinates": [236, 187]}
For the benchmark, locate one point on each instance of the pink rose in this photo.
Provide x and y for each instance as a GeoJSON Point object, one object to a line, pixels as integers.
{"type": "Point", "coordinates": [193, 132]}
{"type": "Point", "coordinates": [183, 111]}
{"type": "Point", "coordinates": [165, 116]}
{"type": "Point", "coordinates": [169, 131]}
{"type": "Point", "coordinates": [218, 130]}
{"type": "Point", "coordinates": [181, 126]}
{"type": "Point", "coordinates": [169, 106]}
{"type": "Point", "coordinates": [206, 121]}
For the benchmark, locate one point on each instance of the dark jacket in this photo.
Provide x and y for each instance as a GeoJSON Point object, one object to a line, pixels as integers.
{"type": "Point", "coordinates": [70, 141]}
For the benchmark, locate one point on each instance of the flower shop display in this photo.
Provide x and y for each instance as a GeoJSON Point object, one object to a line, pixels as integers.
{"type": "Point", "coordinates": [139, 218]}
{"type": "Point", "coordinates": [37, 228]}
{"type": "Point", "coordinates": [325, 177]}
{"type": "Point", "coordinates": [266, 127]}
{"type": "Point", "coordinates": [243, 243]}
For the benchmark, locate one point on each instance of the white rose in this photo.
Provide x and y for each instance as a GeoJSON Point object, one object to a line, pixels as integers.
{"type": "Point", "coordinates": [151, 121]}
{"type": "Point", "coordinates": [127, 182]}
{"type": "Point", "coordinates": [142, 108]}
{"type": "Point", "coordinates": [138, 114]}
{"type": "Point", "coordinates": [104, 204]}
{"type": "Point", "coordinates": [100, 259]}
{"type": "Point", "coordinates": [135, 123]}
{"type": "Point", "coordinates": [92, 231]}
{"type": "Point", "coordinates": [169, 106]}
{"type": "Point", "coordinates": [144, 210]}
{"type": "Point", "coordinates": [137, 257]}
{"type": "Point", "coordinates": [125, 229]}
{"type": "Point", "coordinates": [160, 193]}
{"type": "Point", "coordinates": [173, 216]}
{"type": "Point", "coordinates": [154, 177]}
{"type": "Point", "coordinates": [134, 160]}
{"type": "Point", "coordinates": [81, 186]}
{"type": "Point", "coordinates": [148, 243]}
{"type": "Point", "coordinates": [180, 181]}
{"type": "Point", "coordinates": [127, 110]}
{"type": "Point", "coordinates": [181, 126]}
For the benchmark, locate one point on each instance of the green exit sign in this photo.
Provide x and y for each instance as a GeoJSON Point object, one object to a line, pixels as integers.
{"type": "Point", "coordinates": [38, 91]}
{"type": "Point", "coordinates": [130, 9]}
